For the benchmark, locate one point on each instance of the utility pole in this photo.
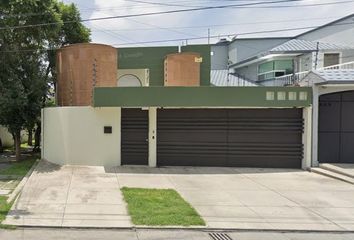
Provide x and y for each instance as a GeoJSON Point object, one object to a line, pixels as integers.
{"type": "Point", "coordinates": [317, 50]}
{"type": "Point", "coordinates": [208, 35]}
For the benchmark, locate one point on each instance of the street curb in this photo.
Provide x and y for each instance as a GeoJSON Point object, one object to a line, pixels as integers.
{"type": "Point", "coordinates": [189, 229]}
{"type": "Point", "coordinates": [20, 186]}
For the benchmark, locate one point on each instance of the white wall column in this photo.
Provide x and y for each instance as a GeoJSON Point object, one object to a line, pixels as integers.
{"type": "Point", "coordinates": [152, 136]}
{"type": "Point", "coordinates": [315, 108]}
{"type": "Point", "coordinates": [119, 130]}
{"type": "Point", "coordinates": [307, 138]}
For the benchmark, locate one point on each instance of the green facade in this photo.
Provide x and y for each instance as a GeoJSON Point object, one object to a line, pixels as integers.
{"type": "Point", "coordinates": [146, 57]}
{"type": "Point", "coordinates": [153, 59]}
{"type": "Point", "coordinates": [200, 97]}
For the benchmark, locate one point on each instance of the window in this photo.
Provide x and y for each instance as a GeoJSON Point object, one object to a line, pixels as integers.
{"type": "Point", "coordinates": [303, 96]}
{"type": "Point", "coordinates": [330, 59]}
{"type": "Point", "coordinates": [273, 69]}
{"type": "Point", "coordinates": [281, 95]}
{"type": "Point", "coordinates": [292, 96]}
{"type": "Point", "coordinates": [269, 96]}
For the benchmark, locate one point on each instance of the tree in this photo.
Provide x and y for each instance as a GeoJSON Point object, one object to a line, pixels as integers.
{"type": "Point", "coordinates": [27, 68]}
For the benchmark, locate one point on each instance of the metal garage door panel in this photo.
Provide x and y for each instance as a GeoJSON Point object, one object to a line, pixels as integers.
{"type": "Point", "coordinates": [134, 137]}
{"type": "Point", "coordinates": [329, 120]}
{"type": "Point", "coordinates": [328, 147]}
{"type": "Point", "coordinates": [336, 128]}
{"type": "Point", "coordinates": [265, 138]}
{"type": "Point", "coordinates": [347, 117]}
{"type": "Point", "coordinates": [347, 148]}
{"type": "Point", "coordinates": [225, 137]}
{"type": "Point", "coordinates": [348, 96]}
{"type": "Point", "coordinates": [191, 137]}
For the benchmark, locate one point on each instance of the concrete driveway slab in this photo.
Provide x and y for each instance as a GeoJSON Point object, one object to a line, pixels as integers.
{"type": "Point", "coordinates": [144, 181]}
{"type": "Point", "coordinates": [85, 197]}
{"type": "Point", "coordinates": [228, 198]}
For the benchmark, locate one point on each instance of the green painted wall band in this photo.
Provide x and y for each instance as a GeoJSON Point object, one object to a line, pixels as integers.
{"type": "Point", "coordinates": [202, 97]}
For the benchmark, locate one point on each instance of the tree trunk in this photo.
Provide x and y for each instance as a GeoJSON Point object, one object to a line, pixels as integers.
{"type": "Point", "coordinates": [30, 138]}
{"type": "Point", "coordinates": [17, 139]}
{"type": "Point", "coordinates": [1, 148]}
{"type": "Point", "coordinates": [37, 138]}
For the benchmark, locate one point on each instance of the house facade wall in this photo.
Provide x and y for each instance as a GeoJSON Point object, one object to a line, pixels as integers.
{"type": "Point", "coordinates": [241, 49]}
{"type": "Point", "coordinates": [7, 139]}
{"type": "Point", "coordinates": [340, 32]}
{"type": "Point", "coordinates": [74, 135]}
{"type": "Point", "coordinates": [219, 57]}
{"type": "Point", "coordinates": [249, 72]}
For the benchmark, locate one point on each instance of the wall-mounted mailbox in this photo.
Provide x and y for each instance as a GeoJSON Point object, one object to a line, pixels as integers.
{"type": "Point", "coordinates": [107, 129]}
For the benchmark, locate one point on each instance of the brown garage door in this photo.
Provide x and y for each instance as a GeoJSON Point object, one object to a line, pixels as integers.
{"type": "Point", "coordinates": [230, 137]}
{"type": "Point", "coordinates": [134, 137]}
{"type": "Point", "coordinates": [336, 128]}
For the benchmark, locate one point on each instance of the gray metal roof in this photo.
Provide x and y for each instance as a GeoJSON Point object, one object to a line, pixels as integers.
{"type": "Point", "coordinates": [336, 76]}
{"type": "Point", "coordinates": [222, 78]}
{"type": "Point", "coordinates": [297, 45]}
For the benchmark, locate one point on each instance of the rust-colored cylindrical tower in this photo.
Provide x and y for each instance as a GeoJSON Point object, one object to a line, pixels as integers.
{"type": "Point", "coordinates": [81, 67]}
{"type": "Point", "coordinates": [182, 69]}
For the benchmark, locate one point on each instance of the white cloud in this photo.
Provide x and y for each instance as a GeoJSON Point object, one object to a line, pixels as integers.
{"type": "Point", "coordinates": [285, 16]}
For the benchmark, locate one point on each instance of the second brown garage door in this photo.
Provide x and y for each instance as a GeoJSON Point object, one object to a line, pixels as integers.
{"type": "Point", "coordinates": [230, 137]}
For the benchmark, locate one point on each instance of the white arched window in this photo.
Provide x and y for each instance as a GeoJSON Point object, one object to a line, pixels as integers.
{"type": "Point", "coordinates": [129, 80]}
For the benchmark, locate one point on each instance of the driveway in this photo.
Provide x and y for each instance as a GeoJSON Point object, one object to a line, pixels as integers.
{"type": "Point", "coordinates": [230, 198]}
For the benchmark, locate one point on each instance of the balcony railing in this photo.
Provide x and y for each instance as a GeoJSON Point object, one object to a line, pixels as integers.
{"type": "Point", "coordinates": [293, 79]}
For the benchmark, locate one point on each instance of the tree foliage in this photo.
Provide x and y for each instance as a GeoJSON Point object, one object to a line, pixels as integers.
{"type": "Point", "coordinates": [27, 67]}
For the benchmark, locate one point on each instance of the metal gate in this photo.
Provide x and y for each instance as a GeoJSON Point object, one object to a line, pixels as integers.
{"type": "Point", "coordinates": [134, 137]}
{"type": "Point", "coordinates": [336, 128]}
{"type": "Point", "coordinates": [230, 137]}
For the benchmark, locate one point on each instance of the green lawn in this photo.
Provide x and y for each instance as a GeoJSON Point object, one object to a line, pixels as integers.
{"type": "Point", "coordinates": [4, 208]}
{"type": "Point", "coordinates": [157, 207]}
{"type": "Point", "coordinates": [18, 168]}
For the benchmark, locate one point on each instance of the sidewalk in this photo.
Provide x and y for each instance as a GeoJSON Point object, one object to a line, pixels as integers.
{"type": "Point", "coordinates": [226, 198]}
{"type": "Point", "coordinates": [86, 234]}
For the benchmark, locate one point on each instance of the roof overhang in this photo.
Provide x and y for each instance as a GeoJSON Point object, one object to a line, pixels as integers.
{"type": "Point", "coordinates": [335, 83]}
{"type": "Point", "coordinates": [263, 57]}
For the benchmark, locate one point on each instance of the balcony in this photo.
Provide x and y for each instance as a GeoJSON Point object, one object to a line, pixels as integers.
{"type": "Point", "coordinates": [294, 79]}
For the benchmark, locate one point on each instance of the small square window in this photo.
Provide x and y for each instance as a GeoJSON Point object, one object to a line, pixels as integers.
{"type": "Point", "coordinates": [292, 96]}
{"type": "Point", "coordinates": [281, 96]}
{"type": "Point", "coordinates": [303, 96]}
{"type": "Point", "coordinates": [269, 96]}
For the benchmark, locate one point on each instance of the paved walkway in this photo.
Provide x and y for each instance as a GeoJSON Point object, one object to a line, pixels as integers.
{"type": "Point", "coordinates": [231, 198]}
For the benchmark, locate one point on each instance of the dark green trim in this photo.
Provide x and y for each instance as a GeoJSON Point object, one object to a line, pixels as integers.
{"type": "Point", "coordinates": [196, 97]}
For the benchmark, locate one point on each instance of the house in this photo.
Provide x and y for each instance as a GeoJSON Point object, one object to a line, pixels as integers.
{"type": "Point", "coordinates": [323, 59]}
{"type": "Point", "coordinates": [254, 102]}
{"type": "Point", "coordinates": [7, 138]}
{"type": "Point", "coordinates": [157, 106]}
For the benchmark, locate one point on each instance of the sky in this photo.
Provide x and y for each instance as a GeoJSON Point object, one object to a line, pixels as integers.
{"type": "Point", "coordinates": [192, 27]}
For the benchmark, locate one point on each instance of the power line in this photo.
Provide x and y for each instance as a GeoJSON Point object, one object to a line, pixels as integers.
{"type": "Point", "coordinates": [152, 13]}
{"type": "Point", "coordinates": [217, 25]}
{"type": "Point", "coordinates": [193, 38]}
{"type": "Point", "coordinates": [235, 34]}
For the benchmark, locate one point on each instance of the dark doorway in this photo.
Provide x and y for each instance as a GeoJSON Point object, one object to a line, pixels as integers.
{"type": "Point", "coordinates": [134, 137]}
{"type": "Point", "coordinates": [336, 128]}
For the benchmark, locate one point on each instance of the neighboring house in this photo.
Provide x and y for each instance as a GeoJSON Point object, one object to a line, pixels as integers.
{"type": "Point", "coordinates": [7, 139]}
{"type": "Point", "coordinates": [286, 60]}
{"type": "Point", "coordinates": [323, 59]}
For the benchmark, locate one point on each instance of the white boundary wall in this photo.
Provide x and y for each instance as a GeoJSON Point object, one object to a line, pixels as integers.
{"type": "Point", "coordinates": [74, 135]}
